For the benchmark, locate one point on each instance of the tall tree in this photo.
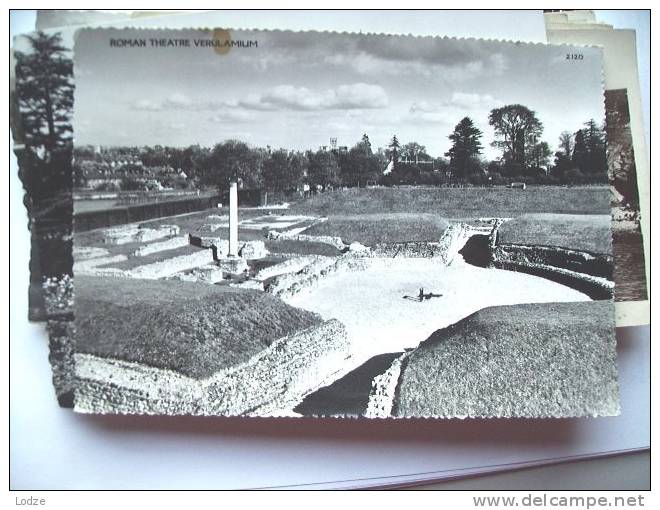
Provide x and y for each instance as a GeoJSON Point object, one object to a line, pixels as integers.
{"type": "Point", "coordinates": [393, 151]}
{"type": "Point", "coordinates": [43, 100]}
{"type": "Point", "coordinates": [323, 169]}
{"type": "Point", "coordinates": [465, 149]}
{"type": "Point", "coordinates": [44, 86]}
{"type": "Point", "coordinates": [411, 152]}
{"type": "Point", "coordinates": [566, 143]}
{"type": "Point", "coordinates": [155, 156]}
{"type": "Point", "coordinates": [283, 170]}
{"type": "Point", "coordinates": [596, 146]}
{"type": "Point", "coordinates": [580, 157]}
{"type": "Point", "coordinates": [365, 144]}
{"type": "Point", "coordinates": [516, 127]}
{"type": "Point", "coordinates": [359, 166]}
{"type": "Point", "coordinates": [230, 161]}
{"type": "Point", "coordinates": [539, 156]}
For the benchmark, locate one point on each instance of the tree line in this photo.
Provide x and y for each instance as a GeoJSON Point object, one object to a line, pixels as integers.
{"type": "Point", "coordinates": [579, 159]}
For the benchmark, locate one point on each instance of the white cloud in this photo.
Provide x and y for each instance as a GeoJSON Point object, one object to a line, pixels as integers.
{"type": "Point", "coordinates": [449, 112]}
{"type": "Point", "coordinates": [147, 105]}
{"type": "Point", "coordinates": [473, 101]}
{"type": "Point", "coordinates": [360, 95]}
{"type": "Point", "coordinates": [232, 115]}
{"type": "Point", "coordinates": [282, 97]}
{"type": "Point", "coordinates": [434, 117]}
{"type": "Point", "coordinates": [178, 101]}
{"type": "Point", "coordinates": [423, 107]}
{"type": "Point", "coordinates": [344, 97]}
{"type": "Point", "coordinates": [370, 64]}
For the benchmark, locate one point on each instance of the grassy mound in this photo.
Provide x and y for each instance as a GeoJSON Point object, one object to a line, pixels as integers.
{"type": "Point", "coordinates": [459, 203]}
{"type": "Point", "coordinates": [370, 229]}
{"type": "Point", "coordinates": [193, 328]}
{"type": "Point", "coordinates": [576, 232]}
{"type": "Point", "coordinates": [534, 360]}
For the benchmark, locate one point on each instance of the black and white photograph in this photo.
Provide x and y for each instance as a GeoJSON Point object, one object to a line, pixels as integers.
{"type": "Point", "coordinates": [629, 272]}
{"type": "Point", "coordinates": [275, 223]}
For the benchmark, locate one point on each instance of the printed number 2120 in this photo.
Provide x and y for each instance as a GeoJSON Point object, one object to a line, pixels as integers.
{"type": "Point", "coordinates": [574, 56]}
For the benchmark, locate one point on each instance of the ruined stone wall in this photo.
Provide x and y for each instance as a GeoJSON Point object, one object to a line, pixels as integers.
{"type": "Point", "coordinates": [169, 244]}
{"type": "Point", "coordinates": [445, 249]}
{"type": "Point", "coordinates": [90, 266]}
{"type": "Point", "coordinates": [291, 283]}
{"type": "Point", "coordinates": [293, 236]}
{"type": "Point", "coordinates": [171, 266]}
{"type": "Point", "coordinates": [586, 272]}
{"type": "Point", "coordinates": [129, 214]}
{"type": "Point", "coordinates": [291, 265]}
{"type": "Point", "coordinates": [107, 386]}
{"type": "Point", "coordinates": [282, 374]}
{"type": "Point", "coordinates": [383, 391]}
{"type": "Point", "coordinates": [136, 234]}
{"type": "Point", "coordinates": [415, 249]}
{"type": "Point", "coordinates": [270, 382]}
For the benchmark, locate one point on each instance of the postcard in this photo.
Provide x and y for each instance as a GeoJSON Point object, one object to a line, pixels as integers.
{"type": "Point", "coordinates": [276, 223]}
{"type": "Point", "coordinates": [628, 160]}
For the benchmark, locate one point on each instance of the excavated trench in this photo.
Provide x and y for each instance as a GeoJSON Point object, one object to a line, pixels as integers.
{"type": "Point", "coordinates": [476, 251]}
{"type": "Point", "coordinates": [589, 273]}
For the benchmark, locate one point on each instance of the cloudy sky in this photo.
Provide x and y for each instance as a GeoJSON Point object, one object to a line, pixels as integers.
{"type": "Point", "coordinates": [296, 90]}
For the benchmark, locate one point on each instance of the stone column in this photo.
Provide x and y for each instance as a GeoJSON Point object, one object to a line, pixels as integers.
{"type": "Point", "coordinates": [233, 219]}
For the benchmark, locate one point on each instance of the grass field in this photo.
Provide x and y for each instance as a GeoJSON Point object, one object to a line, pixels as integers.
{"type": "Point", "coordinates": [571, 217]}
{"type": "Point", "coordinates": [459, 203]}
{"type": "Point", "coordinates": [536, 360]}
{"type": "Point", "coordinates": [370, 229]}
{"type": "Point", "coordinates": [578, 232]}
{"type": "Point", "coordinates": [187, 223]}
{"type": "Point", "coordinates": [191, 223]}
{"type": "Point", "coordinates": [575, 218]}
{"type": "Point", "coordinates": [193, 328]}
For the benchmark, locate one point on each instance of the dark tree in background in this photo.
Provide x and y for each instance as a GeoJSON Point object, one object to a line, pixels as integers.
{"type": "Point", "coordinates": [465, 149]}
{"type": "Point", "coordinates": [580, 154]}
{"type": "Point", "coordinates": [232, 161]}
{"type": "Point", "coordinates": [284, 170]}
{"type": "Point", "coordinates": [596, 145]}
{"type": "Point", "coordinates": [412, 152]}
{"type": "Point", "coordinates": [323, 169]}
{"type": "Point", "coordinates": [516, 127]}
{"type": "Point", "coordinates": [360, 166]}
{"type": "Point", "coordinates": [563, 157]}
{"type": "Point", "coordinates": [566, 143]}
{"type": "Point", "coordinates": [44, 86]}
{"type": "Point", "coordinates": [538, 157]}
{"type": "Point", "coordinates": [394, 151]}
{"type": "Point", "coordinates": [44, 105]}
{"type": "Point", "coordinates": [365, 144]}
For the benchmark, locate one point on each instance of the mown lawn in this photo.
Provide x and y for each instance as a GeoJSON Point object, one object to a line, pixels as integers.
{"type": "Point", "coordinates": [459, 203]}
{"type": "Point", "coordinates": [370, 229]}
{"type": "Point", "coordinates": [193, 328]}
{"type": "Point", "coordinates": [590, 233]}
{"type": "Point", "coordinates": [420, 214]}
{"type": "Point", "coordinates": [535, 360]}
{"type": "Point", "coordinates": [187, 223]}
{"type": "Point", "coordinates": [192, 222]}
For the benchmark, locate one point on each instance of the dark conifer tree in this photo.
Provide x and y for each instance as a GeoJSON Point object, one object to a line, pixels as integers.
{"type": "Point", "coordinates": [465, 149]}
